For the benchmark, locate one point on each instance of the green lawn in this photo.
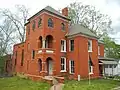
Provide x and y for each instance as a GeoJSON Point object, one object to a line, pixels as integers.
{"type": "Point", "coordinates": [15, 83]}
{"type": "Point", "coordinates": [100, 84]}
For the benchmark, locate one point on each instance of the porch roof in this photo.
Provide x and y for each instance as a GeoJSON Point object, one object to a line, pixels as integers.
{"type": "Point", "coordinates": [109, 62]}
{"type": "Point", "coordinates": [105, 60]}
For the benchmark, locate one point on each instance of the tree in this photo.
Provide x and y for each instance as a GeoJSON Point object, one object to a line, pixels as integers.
{"type": "Point", "coordinates": [6, 36]}
{"type": "Point", "coordinates": [89, 17]}
{"type": "Point", "coordinates": [112, 50]}
{"type": "Point", "coordinates": [18, 20]}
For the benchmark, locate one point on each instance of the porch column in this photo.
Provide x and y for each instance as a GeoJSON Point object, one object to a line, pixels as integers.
{"type": "Point", "coordinates": [43, 68]}
{"type": "Point", "coordinates": [103, 70]}
{"type": "Point", "coordinates": [108, 70]}
{"type": "Point", "coordinates": [43, 44]}
{"type": "Point", "coordinates": [112, 69]}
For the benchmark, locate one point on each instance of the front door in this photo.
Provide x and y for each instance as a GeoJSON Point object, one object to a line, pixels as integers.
{"type": "Point", "coordinates": [50, 67]}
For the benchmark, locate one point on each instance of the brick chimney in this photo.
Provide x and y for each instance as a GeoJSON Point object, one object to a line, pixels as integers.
{"type": "Point", "coordinates": [65, 11]}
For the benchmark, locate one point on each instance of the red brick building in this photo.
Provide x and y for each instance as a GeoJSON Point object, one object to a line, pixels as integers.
{"type": "Point", "coordinates": [52, 47]}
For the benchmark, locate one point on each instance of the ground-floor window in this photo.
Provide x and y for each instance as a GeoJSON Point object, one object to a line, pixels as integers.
{"type": "Point", "coordinates": [71, 66]}
{"type": "Point", "coordinates": [90, 67]}
{"type": "Point", "coordinates": [63, 64]}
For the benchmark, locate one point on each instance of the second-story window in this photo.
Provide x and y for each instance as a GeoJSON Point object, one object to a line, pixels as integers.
{"type": "Point", "coordinates": [33, 26]}
{"type": "Point", "coordinates": [63, 45]}
{"type": "Point", "coordinates": [39, 22]}
{"type": "Point", "coordinates": [63, 26]}
{"type": "Point", "coordinates": [28, 29]}
{"type": "Point", "coordinates": [50, 22]}
{"type": "Point", "coordinates": [71, 45]}
{"type": "Point", "coordinates": [89, 45]}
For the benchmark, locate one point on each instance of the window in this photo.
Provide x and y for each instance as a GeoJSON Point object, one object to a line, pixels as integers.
{"type": "Point", "coordinates": [63, 64]}
{"type": "Point", "coordinates": [71, 66]}
{"type": "Point", "coordinates": [71, 45]}
{"type": "Point", "coordinates": [22, 58]}
{"type": "Point", "coordinates": [39, 22]}
{"type": "Point", "coordinates": [33, 54]}
{"type": "Point", "coordinates": [98, 50]}
{"type": "Point", "coordinates": [63, 45]}
{"type": "Point", "coordinates": [15, 58]}
{"type": "Point", "coordinates": [89, 45]}
{"type": "Point", "coordinates": [90, 69]}
{"type": "Point", "coordinates": [40, 64]}
{"type": "Point", "coordinates": [90, 66]}
{"type": "Point", "coordinates": [50, 22]}
{"type": "Point", "coordinates": [33, 26]}
{"type": "Point", "coordinates": [62, 26]}
{"type": "Point", "coordinates": [28, 28]}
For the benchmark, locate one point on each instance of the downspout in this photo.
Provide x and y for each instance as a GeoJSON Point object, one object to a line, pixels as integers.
{"type": "Point", "coordinates": [78, 63]}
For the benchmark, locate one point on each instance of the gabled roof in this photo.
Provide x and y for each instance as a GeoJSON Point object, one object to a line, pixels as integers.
{"type": "Point", "coordinates": [52, 11]}
{"type": "Point", "coordinates": [79, 29]}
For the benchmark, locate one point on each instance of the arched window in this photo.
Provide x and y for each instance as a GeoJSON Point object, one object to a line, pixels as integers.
{"type": "Point", "coordinates": [33, 25]}
{"type": "Point", "coordinates": [40, 42]}
{"type": "Point", "coordinates": [39, 22]}
{"type": "Point", "coordinates": [50, 22]}
{"type": "Point", "coordinates": [62, 26]}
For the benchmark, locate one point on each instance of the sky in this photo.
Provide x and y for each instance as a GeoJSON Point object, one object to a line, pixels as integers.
{"type": "Point", "coordinates": [110, 7]}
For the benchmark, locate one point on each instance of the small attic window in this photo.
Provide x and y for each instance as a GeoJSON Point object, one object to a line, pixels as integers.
{"type": "Point", "coordinates": [50, 22]}
{"type": "Point", "coordinates": [39, 22]}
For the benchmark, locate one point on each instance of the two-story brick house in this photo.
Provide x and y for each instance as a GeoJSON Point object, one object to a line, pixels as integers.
{"type": "Point", "coordinates": [52, 47]}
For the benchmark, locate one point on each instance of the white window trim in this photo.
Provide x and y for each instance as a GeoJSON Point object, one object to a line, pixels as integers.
{"type": "Point", "coordinates": [98, 50]}
{"type": "Point", "coordinates": [64, 64]}
{"type": "Point", "coordinates": [91, 70]}
{"type": "Point", "coordinates": [91, 46]}
{"type": "Point", "coordinates": [64, 46]}
{"type": "Point", "coordinates": [70, 67]}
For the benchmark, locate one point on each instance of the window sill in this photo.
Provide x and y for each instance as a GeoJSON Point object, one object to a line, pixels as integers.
{"type": "Point", "coordinates": [63, 71]}
{"type": "Point", "coordinates": [72, 73]}
{"type": "Point", "coordinates": [90, 51]}
{"type": "Point", "coordinates": [90, 73]}
{"type": "Point", "coordinates": [63, 51]}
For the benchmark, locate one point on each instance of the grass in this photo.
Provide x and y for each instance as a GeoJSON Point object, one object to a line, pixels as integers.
{"type": "Point", "coordinates": [100, 84]}
{"type": "Point", "coordinates": [16, 83]}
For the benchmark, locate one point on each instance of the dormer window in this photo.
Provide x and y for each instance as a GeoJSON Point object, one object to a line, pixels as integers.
{"type": "Point", "coordinates": [50, 22]}
{"type": "Point", "coordinates": [33, 25]}
{"type": "Point", "coordinates": [39, 22]}
{"type": "Point", "coordinates": [63, 26]}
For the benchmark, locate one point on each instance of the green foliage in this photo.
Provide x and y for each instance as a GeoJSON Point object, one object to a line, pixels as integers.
{"type": "Point", "coordinates": [99, 84]}
{"type": "Point", "coordinates": [2, 64]}
{"type": "Point", "coordinates": [16, 83]}
{"type": "Point", "coordinates": [112, 50]}
{"type": "Point", "coordinates": [89, 17]}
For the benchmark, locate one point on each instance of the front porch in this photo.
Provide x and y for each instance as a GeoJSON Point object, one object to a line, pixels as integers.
{"type": "Point", "coordinates": [108, 66]}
